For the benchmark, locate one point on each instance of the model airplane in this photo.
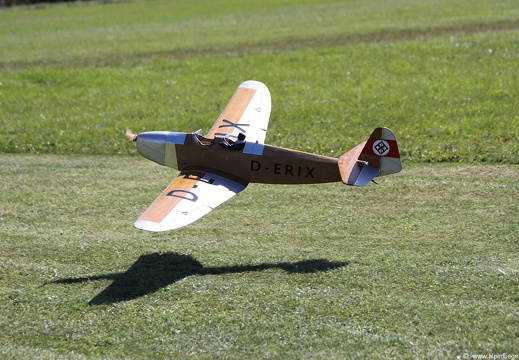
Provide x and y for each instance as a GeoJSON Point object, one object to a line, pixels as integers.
{"type": "Point", "coordinates": [217, 166]}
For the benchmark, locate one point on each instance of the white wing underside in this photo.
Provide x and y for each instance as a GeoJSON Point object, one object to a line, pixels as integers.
{"type": "Point", "coordinates": [180, 205]}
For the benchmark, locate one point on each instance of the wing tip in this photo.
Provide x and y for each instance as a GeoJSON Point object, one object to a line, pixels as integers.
{"type": "Point", "coordinates": [253, 84]}
{"type": "Point", "coordinates": [151, 226]}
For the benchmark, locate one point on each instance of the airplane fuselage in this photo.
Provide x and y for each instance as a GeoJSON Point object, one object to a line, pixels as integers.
{"type": "Point", "coordinates": [256, 163]}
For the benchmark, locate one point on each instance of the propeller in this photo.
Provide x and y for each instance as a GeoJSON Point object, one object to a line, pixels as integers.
{"type": "Point", "coordinates": [130, 135]}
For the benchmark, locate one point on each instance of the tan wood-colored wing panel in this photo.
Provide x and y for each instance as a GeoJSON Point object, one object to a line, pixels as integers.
{"type": "Point", "coordinates": [231, 115]}
{"type": "Point", "coordinates": [166, 201]}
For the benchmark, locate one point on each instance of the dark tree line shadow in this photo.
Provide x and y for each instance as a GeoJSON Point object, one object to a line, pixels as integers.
{"type": "Point", "coordinates": [30, 2]}
{"type": "Point", "coordinates": [152, 272]}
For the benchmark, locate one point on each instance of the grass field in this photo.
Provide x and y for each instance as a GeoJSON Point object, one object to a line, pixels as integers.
{"type": "Point", "coordinates": [445, 82]}
{"type": "Point", "coordinates": [424, 265]}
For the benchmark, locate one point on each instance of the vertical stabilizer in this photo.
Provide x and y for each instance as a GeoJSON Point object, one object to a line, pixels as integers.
{"type": "Point", "coordinates": [381, 152]}
{"type": "Point", "coordinates": [378, 156]}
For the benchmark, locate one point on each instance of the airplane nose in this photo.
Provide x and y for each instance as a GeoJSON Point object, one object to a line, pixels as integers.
{"type": "Point", "coordinates": [152, 145]}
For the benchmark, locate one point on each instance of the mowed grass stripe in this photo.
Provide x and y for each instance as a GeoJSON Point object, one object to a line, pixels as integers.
{"type": "Point", "coordinates": [292, 43]}
{"type": "Point", "coordinates": [97, 34]}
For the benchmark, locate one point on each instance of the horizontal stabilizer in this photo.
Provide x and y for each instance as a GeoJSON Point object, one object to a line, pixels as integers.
{"type": "Point", "coordinates": [362, 174]}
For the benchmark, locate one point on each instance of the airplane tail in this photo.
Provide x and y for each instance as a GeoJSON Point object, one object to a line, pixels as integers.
{"type": "Point", "coordinates": [378, 156]}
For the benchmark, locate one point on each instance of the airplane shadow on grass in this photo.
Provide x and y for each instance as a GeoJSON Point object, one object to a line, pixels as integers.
{"type": "Point", "coordinates": [152, 272]}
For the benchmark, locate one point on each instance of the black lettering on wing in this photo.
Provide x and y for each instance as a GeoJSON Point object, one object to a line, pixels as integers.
{"type": "Point", "coordinates": [183, 194]}
{"type": "Point", "coordinates": [234, 125]}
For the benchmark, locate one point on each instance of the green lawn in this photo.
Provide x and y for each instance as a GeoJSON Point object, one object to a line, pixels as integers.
{"type": "Point", "coordinates": [424, 265]}
{"type": "Point", "coordinates": [445, 82]}
{"type": "Point", "coordinates": [133, 31]}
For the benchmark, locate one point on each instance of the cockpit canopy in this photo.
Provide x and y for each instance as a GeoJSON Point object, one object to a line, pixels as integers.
{"type": "Point", "coordinates": [202, 140]}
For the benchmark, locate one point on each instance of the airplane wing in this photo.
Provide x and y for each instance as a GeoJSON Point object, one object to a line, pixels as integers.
{"type": "Point", "coordinates": [190, 196]}
{"type": "Point", "coordinates": [247, 112]}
